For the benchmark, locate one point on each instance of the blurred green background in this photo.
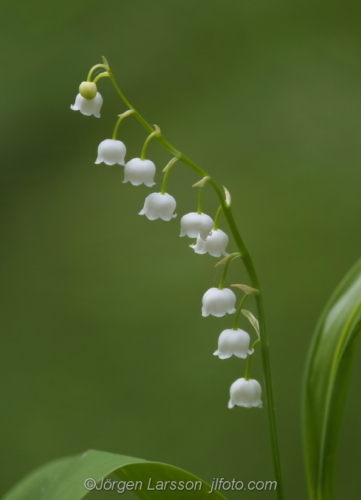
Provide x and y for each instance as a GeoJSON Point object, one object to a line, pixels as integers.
{"type": "Point", "coordinates": [103, 345]}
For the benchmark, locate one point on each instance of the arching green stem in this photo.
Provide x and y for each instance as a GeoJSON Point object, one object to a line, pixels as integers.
{"type": "Point", "coordinates": [156, 133]}
{"type": "Point", "coordinates": [200, 200]}
{"type": "Point", "coordinates": [90, 74]}
{"type": "Point", "coordinates": [239, 310]}
{"type": "Point", "coordinates": [166, 171]}
{"type": "Point", "coordinates": [247, 374]}
{"type": "Point", "coordinates": [225, 271]}
{"type": "Point", "coordinates": [248, 263]}
{"type": "Point", "coordinates": [120, 119]}
{"type": "Point", "coordinates": [216, 219]}
{"type": "Point", "coordinates": [102, 75]}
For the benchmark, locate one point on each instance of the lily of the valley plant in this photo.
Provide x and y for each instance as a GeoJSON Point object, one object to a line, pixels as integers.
{"type": "Point", "coordinates": [331, 356]}
{"type": "Point", "coordinates": [209, 238]}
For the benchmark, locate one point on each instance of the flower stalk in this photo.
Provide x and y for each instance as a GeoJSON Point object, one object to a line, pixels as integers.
{"type": "Point", "coordinates": [97, 66]}
{"type": "Point", "coordinates": [155, 133]}
{"type": "Point", "coordinates": [226, 261]}
{"type": "Point", "coordinates": [247, 374]}
{"type": "Point", "coordinates": [101, 75]}
{"type": "Point", "coordinates": [200, 200]}
{"type": "Point", "coordinates": [239, 309]}
{"type": "Point", "coordinates": [247, 261]}
{"type": "Point", "coordinates": [120, 119]}
{"type": "Point", "coordinates": [216, 218]}
{"type": "Point", "coordinates": [166, 171]}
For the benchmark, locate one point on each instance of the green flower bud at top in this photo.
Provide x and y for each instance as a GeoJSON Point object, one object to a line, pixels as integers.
{"type": "Point", "coordinates": [88, 90]}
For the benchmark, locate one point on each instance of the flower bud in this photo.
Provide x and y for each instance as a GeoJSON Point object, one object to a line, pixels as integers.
{"type": "Point", "coordinates": [159, 206]}
{"type": "Point", "coordinates": [194, 225]}
{"type": "Point", "coordinates": [233, 342]}
{"type": "Point", "coordinates": [111, 152]}
{"type": "Point", "coordinates": [218, 302]}
{"type": "Point", "coordinates": [245, 393]}
{"type": "Point", "coordinates": [88, 107]}
{"type": "Point", "coordinates": [139, 171]}
{"type": "Point", "coordinates": [88, 90]}
{"type": "Point", "coordinates": [215, 244]}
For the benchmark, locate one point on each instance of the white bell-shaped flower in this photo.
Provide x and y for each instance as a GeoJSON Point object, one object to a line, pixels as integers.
{"type": "Point", "coordinates": [88, 107]}
{"type": "Point", "coordinates": [233, 342]}
{"type": "Point", "coordinates": [245, 393]}
{"type": "Point", "coordinates": [215, 244]}
{"type": "Point", "coordinates": [111, 152]}
{"type": "Point", "coordinates": [159, 206]}
{"type": "Point", "coordinates": [218, 302]}
{"type": "Point", "coordinates": [194, 225]}
{"type": "Point", "coordinates": [139, 171]}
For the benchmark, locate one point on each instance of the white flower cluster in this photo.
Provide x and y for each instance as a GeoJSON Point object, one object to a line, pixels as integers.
{"type": "Point", "coordinates": [232, 342]}
{"type": "Point", "coordinates": [209, 239]}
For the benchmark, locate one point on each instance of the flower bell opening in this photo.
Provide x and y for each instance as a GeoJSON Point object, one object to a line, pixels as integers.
{"type": "Point", "coordinates": [159, 206]}
{"type": "Point", "coordinates": [233, 343]}
{"type": "Point", "coordinates": [139, 172]}
{"type": "Point", "coordinates": [246, 393]}
{"type": "Point", "coordinates": [88, 107]}
{"type": "Point", "coordinates": [195, 224]}
{"type": "Point", "coordinates": [111, 152]}
{"type": "Point", "coordinates": [215, 244]}
{"type": "Point", "coordinates": [218, 302]}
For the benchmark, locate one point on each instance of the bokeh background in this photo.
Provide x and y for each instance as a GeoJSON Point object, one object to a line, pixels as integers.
{"type": "Point", "coordinates": [103, 345]}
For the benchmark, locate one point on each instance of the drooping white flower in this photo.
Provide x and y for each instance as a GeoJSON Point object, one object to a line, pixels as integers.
{"type": "Point", "coordinates": [245, 393]}
{"type": "Point", "coordinates": [159, 206]}
{"type": "Point", "coordinates": [218, 302]}
{"type": "Point", "coordinates": [139, 171]}
{"type": "Point", "coordinates": [233, 342]}
{"type": "Point", "coordinates": [194, 225]}
{"type": "Point", "coordinates": [215, 244]}
{"type": "Point", "coordinates": [111, 152]}
{"type": "Point", "coordinates": [88, 107]}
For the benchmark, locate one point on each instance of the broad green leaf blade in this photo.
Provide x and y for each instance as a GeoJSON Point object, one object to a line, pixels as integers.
{"type": "Point", "coordinates": [327, 378]}
{"type": "Point", "coordinates": [64, 479]}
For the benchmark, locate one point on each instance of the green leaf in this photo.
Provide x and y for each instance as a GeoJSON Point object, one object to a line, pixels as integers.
{"type": "Point", "coordinates": [64, 479]}
{"type": "Point", "coordinates": [254, 321]}
{"type": "Point", "coordinates": [327, 379]}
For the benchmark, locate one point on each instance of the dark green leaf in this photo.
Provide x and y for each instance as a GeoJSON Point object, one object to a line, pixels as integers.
{"type": "Point", "coordinates": [64, 479]}
{"type": "Point", "coordinates": [326, 382]}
